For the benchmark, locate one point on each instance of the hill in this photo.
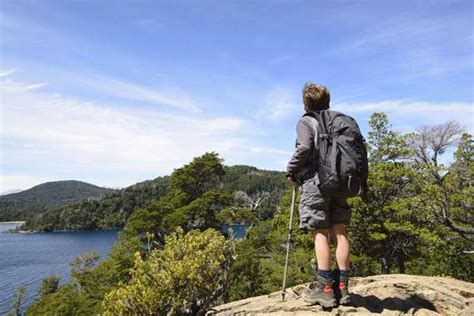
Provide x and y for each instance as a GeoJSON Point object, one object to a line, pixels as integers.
{"type": "Point", "coordinates": [17, 206]}
{"type": "Point", "coordinates": [394, 294]}
{"type": "Point", "coordinates": [260, 186]}
{"type": "Point", "coordinates": [108, 213]}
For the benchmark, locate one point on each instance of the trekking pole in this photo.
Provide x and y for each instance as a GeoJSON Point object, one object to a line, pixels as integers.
{"type": "Point", "coordinates": [293, 198]}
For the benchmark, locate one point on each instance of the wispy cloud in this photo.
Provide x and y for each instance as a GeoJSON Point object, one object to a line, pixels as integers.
{"type": "Point", "coordinates": [409, 107]}
{"type": "Point", "coordinates": [10, 85]}
{"type": "Point", "coordinates": [174, 98]}
{"type": "Point", "coordinates": [394, 30]}
{"type": "Point", "coordinates": [35, 86]}
{"type": "Point", "coordinates": [272, 151]}
{"type": "Point", "coordinates": [81, 135]}
{"type": "Point", "coordinates": [420, 45]}
{"type": "Point", "coordinates": [86, 132]}
{"type": "Point", "coordinates": [279, 104]}
{"type": "Point", "coordinates": [106, 86]}
{"type": "Point", "coordinates": [5, 73]}
{"type": "Point", "coordinates": [412, 114]}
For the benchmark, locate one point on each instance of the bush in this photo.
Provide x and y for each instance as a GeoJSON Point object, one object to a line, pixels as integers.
{"type": "Point", "coordinates": [185, 277]}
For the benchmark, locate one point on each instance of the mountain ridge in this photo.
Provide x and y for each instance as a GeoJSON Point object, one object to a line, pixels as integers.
{"type": "Point", "coordinates": [52, 194]}
{"type": "Point", "coordinates": [113, 210]}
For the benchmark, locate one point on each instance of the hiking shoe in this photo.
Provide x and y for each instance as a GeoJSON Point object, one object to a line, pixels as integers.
{"type": "Point", "coordinates": [320, 292]}
{"type": "Point", "coordinates": [345, 298]}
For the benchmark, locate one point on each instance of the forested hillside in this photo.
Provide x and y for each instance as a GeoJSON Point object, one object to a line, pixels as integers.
{"type": "Point", "coordinates": [17, 206]}
{"type": "Point", "coordinates": [260, 190]}
{"type": "Point", "coordinates": [417, 218]}
{"type": "Point", "coordinates": [110, 212]}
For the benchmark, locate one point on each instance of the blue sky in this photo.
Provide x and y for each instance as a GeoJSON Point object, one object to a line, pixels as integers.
{"type": "Point", "coordinates": [115, 92]}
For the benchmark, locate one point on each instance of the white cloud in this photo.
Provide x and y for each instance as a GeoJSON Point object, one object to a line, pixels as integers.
{"type": "Point", "coordinates": [36, 86]}
{"type": "Point", "coordinates": [415, 113]}
{"type": "Point", "coordinates": [89, 82]}
{"type": "Point", "coordinates": [273, 151]}
{"type": "Point", "coordinates": [176, 98]}
{"type": "Point", "coordinates": [279, 104]}
{"type": "Point", "coordinates": [5, 73]}
{"type": "Point", "coordinates": [54, 130]}
{"type": "Point", "coordinates": [408, 107]}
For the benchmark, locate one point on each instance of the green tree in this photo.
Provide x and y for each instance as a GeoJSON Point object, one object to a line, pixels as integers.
{"type": "Point", "coordinates": [384, 226]}
{"type": "Point", "coordinates": [385, 144]}
{"type": "Point", "coordinates": [18, 301]}
{"type": "Point", "coordinates": [80, 296]}
{"type": "Point", "coordinates": [185, 277]}
{"type": "Point", "coordinates": [49, 285]}
{"type": "Point", "coordinates": [460, 182]}
{"type": "Point", "coordinates": [200, 213]}
{"type": "Point", "coordinates": [448, 195]}
{"type": "Point", "coordinates": [236, 215]}
{"type": "Point", "coordinates": [261, 256]}
{"type": "Point", "coordinates": [148, 226]}
{"type": "Point", "coordinates": [191, 181]}
{"type": "Point", "coordinates": [448, 190]}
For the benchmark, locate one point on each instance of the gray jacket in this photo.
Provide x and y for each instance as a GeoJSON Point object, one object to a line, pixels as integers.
{"type": "Point", "coordinates": [304, 162]}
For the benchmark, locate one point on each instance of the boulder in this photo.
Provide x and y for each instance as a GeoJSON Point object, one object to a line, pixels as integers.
{"type": "Point", "coordinates": [388, 295]}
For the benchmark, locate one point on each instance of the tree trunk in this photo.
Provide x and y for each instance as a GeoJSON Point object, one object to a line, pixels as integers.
{"type": "Point", "coordinates": [401, 265]}
{"type": "Point", "coordinates": [385, 266]}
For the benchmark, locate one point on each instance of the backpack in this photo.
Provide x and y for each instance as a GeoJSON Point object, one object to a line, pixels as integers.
{"type": "Point", "coordinates": [343, 165]}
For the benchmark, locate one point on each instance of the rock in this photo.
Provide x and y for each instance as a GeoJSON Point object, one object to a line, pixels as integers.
{"type": "Point", "coordinates": [425, 312]}
{"type": "Point", "coordinates": [388, 295]}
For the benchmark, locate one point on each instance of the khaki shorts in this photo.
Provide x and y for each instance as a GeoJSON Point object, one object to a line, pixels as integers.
{"type": "Point", "coordinates": [318, 212]}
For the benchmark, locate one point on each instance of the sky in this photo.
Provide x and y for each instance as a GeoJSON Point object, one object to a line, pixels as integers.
{"type": "Point", "coordinates": [117, 92]}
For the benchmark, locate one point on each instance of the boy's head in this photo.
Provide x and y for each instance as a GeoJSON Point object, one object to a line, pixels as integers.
{"type": "Point", "coordinates": [315, 97]}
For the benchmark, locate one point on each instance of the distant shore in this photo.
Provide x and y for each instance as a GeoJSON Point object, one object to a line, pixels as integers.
{"type": "Point", "coordinates": [8, 224]}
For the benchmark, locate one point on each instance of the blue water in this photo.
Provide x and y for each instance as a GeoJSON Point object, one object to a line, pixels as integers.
{"type": "Point", "coordinates": [25, 259]}
{"type": "Point", "coordinates": [239, 230]}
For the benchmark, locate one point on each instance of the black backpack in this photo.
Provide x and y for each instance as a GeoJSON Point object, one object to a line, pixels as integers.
{"type": "Point", "coordinates": [343, 166]}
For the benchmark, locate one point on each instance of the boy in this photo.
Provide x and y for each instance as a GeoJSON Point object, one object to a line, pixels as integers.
{"type": "Point", "coordinates": [320, 215]}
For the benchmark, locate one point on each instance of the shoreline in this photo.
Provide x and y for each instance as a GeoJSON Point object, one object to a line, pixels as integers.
{"type": "Point", "coordinates": [15, 231]}
{"type": "Point", "coordinates": [13, 222]}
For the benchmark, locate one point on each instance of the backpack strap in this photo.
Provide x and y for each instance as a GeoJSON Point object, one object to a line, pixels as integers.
{"type": "Point", "coordinates": [331, 121]}
{"type": "Point", "coordinates": [324, 138]}
{"type": "Point", "coordinates": [321, 122]}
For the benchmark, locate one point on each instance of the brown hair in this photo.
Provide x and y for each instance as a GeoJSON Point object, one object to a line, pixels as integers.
{"type": "Point", "coordinates": [315, 97]}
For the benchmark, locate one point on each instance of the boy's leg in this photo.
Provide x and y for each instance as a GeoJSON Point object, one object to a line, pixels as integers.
{"type": "Point", "coordinates": [321, 249]}
{"type": "Point", "coordinates": [343, 249]}
{"type": "Point", "coordinates": [314, 217]}
{"type": "Point", "coordinates": [339, 232]}
{"type": "Point", "coordinates": [321, 291]}
{"type": "Point", "coordinates": [340, 218]}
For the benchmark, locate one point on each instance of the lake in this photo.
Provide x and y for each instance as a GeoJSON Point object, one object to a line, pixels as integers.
{"type": "Point", "coordinates": [25, 259]}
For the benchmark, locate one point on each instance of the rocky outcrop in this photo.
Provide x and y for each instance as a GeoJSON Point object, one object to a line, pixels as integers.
{"type": "Point", "coordinates": [395, 294]}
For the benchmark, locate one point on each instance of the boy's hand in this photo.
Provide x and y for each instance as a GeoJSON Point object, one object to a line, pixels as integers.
{"type": "Point", "coordinates": [293, 181]}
